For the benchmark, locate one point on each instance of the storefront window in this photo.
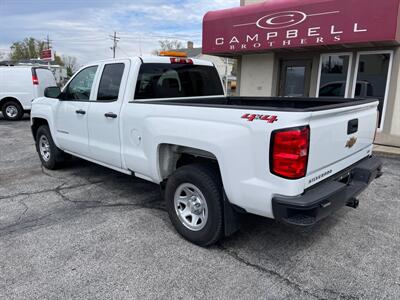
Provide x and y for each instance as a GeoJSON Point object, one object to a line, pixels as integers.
{"type": "Point", "coordinates": [334, 75]}
{"type": "Point", "coordinates": [372, 78]}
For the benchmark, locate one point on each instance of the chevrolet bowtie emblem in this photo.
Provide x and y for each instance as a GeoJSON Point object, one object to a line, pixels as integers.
{"type": "Point", "coordinates": [351, 142]}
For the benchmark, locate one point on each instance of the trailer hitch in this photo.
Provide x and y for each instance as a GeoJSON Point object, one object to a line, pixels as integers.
{"type": "Point", "coordinates": [353, 203]}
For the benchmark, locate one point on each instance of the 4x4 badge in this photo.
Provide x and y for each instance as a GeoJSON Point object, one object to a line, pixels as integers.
{"type": "Point", "coordinates": [267, 118]}
{"type": "Point", "coordinates": [351, 142]}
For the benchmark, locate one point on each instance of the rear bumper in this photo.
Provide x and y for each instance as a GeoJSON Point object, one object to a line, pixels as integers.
{"type": "Point", "coordinates": [328, 196]}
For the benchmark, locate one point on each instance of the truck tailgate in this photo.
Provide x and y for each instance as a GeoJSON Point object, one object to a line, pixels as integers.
{"type": "Point", "coordinates": [339, 138]}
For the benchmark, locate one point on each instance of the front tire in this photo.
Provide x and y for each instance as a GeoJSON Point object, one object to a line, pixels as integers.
{"type": "Point", "coordinates": [195, 203]}
{"type": "Point", "coordinates": [50, 155]}
{"type": "Point", "coordinates": [12, 110]}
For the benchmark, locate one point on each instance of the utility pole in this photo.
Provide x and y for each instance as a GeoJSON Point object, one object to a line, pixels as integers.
{"type": "Point", "coordinates": [115, 40]}
{"type": "Point", "coordinates": [48, 41]}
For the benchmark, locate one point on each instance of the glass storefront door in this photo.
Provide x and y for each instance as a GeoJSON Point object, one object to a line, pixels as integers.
{"type": "Point", "coordinates": [373, 71]}
{"type": "Point", "coordinates": [295, 78]}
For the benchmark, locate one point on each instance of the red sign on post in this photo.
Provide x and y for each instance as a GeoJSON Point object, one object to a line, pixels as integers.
{"type": "Point", "coordinates": [279, 24]}
{"type": "Point", "coordinates": [47, 55]}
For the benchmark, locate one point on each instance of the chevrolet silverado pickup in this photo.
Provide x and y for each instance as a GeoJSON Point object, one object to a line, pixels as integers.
{"type": "Point", "coordinates": [167, 120]}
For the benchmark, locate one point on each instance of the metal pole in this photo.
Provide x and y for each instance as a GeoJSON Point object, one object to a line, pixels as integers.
{"type": "Point", "coordinates": [226, 76]}
{"type": "Point", "coordinates": [115, 43]}
{"type": "Point", "coordinates": [48, 48]}
{"type": "Point", "coordinates": [115, 40]}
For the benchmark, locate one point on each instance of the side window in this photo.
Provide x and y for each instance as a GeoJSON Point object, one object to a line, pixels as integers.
{"type": "Point", "coordinates": [79, 88]}
{"type": "Point", "coordinates": [110, 82]}
{"type": "Point", "coordinates": [332, 90]}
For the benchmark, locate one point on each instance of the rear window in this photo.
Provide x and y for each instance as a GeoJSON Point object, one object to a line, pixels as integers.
{"type": "Point", "coordinates": [176, 81]}
{"type": "Point", "coordinates": [332, 90]}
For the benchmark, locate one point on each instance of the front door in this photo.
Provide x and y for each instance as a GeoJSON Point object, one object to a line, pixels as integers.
{"type": "Point", "coordinates": [104, 114]}
{"type": "Point", "coordinates": [295, 78]}
{"type": "Point", "coordinates": [72, 113]}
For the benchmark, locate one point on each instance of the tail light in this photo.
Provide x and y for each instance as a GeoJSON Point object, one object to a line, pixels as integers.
{"type": "Point", "coordinates": [178, 60]}
{"type": "Point", "coordinates": [289, 152]}
{"type": "Point", "coordinates": [35, 79]}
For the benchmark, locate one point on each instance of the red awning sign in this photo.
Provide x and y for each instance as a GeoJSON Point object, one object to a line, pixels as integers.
{"type": "Point", "coordinates": [281, 24]}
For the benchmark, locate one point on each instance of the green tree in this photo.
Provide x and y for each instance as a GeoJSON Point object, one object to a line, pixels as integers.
{"type": "Point", "coordinates": [29, 48]}
{"type": "Point", "coordinates": [58, 60]}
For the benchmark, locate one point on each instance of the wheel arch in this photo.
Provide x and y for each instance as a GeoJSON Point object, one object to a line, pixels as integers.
{"type": "Point", "coordinates": [36, 123]}
{"type": "Point", "coordinates": [173, 156]}
{"type": "Point", "coordinates": [8, 98]}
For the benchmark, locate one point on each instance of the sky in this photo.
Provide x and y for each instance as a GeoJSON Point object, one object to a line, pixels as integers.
{"type": "Point", "coordinates": [82, 28]}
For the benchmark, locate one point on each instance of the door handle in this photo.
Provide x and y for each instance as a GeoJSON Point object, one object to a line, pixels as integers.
{"type": "Point", "coordinates": [110, 115]}
{"type": "Point", "coordinates": [80, 112]}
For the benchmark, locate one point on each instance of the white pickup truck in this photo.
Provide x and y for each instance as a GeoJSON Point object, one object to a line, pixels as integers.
{"type": "Point", "coordinates": [167, 120]}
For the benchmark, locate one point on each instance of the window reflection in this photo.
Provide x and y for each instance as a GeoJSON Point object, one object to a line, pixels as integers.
{"type": "Point", "coordinates": [372, 75]}
{"type": "Point", "coordinates": [334, 75]}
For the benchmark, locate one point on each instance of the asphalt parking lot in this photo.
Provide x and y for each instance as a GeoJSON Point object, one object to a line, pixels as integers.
{"type": "Point", "coordinates": [91, 233]}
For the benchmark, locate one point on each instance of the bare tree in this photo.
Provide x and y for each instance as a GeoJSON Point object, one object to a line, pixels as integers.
{"type": "Point", "coordinates": [166, 45]}
{"type": "Point", "coordinates": [70, 63]}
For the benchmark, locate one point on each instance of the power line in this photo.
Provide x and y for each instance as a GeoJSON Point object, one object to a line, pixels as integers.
{"type": "Point", "coordinates": [149, 36]}
{"type": "Point", "coordinates": [123, 51]}
{"type": "Point", "coordinates": [79, 39]}
{"type": "Point", "coordinates": [115, 40]}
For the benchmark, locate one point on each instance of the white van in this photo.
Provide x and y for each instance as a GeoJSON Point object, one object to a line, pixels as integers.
{"type": "Point", "coordinates": [19, 86]}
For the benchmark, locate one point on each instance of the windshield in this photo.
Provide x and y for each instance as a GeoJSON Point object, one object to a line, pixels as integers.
{"type": "Point", "coordinates": [158, 80]}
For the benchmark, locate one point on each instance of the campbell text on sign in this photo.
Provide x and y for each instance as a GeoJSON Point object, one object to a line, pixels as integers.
{"type": "Point", "coordinates": [274, 25]}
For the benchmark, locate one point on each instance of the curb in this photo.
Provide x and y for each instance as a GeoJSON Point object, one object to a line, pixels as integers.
{"type": "Point", "coordinates": [387, 154]}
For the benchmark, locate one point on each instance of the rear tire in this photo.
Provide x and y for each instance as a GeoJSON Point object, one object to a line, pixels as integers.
{"type": "Point", "coordinates": [50, 155]}
{"type": "Point", "coordinates": [194, 202]}
{"type": "Point", "coordinates": [12, 110]}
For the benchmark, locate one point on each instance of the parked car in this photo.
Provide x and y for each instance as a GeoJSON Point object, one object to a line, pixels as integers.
{"type": "Point", "coordinates": [166, 120]}
{"type": "Point", "coordinates": [338, 88]}
{"type": "Point", "coordinates": [19, 85]}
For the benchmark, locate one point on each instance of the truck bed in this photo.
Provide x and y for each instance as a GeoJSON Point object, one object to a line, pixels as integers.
{"type": "Point", "coordinates": [265, 103]}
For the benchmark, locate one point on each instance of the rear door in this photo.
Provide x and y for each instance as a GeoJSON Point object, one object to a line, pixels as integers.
{"type": "Point", "coordinates": [45, 79]}
{"type": "Point", "coordinates": [104, 114]}
{"type": "Point", "coordinates": [339, 138]}
{"type": "Point", "coordinates": [17, 82]}
{"type": "Point", "coordinates": [72, 112]}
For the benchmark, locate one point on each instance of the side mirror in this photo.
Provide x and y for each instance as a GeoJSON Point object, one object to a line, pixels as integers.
{"type": "Point", "coordinates": [52, 92]}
